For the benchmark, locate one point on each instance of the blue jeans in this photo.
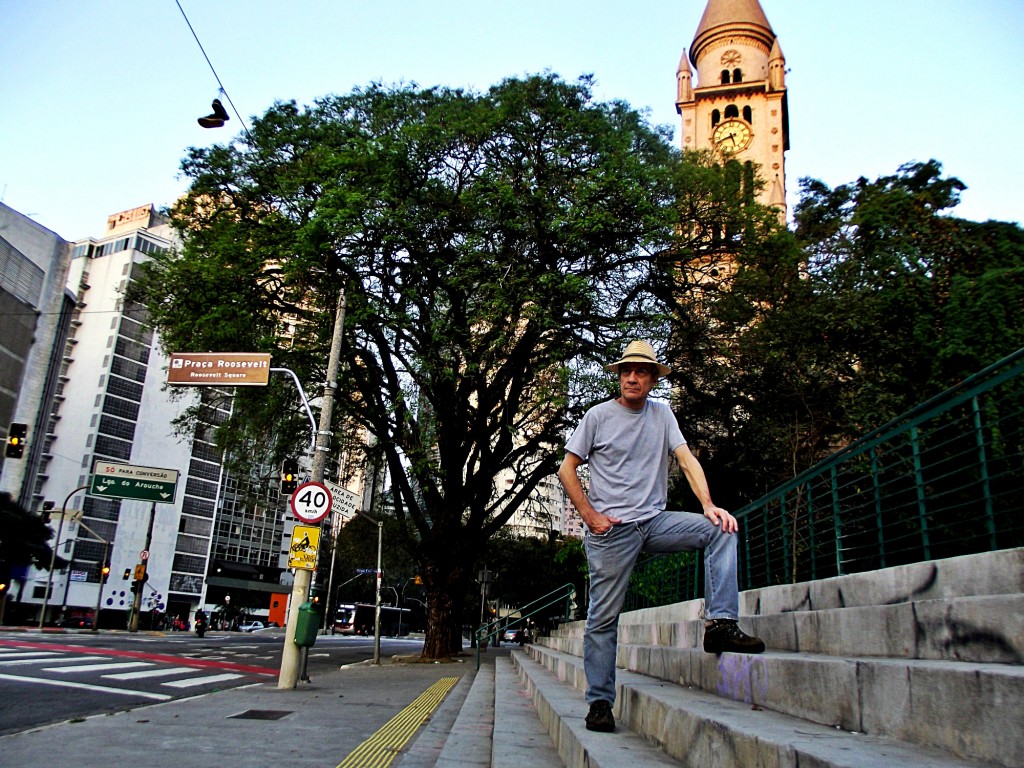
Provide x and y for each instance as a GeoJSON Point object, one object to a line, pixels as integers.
{"type": "Point", "coordinates": [611, 557]}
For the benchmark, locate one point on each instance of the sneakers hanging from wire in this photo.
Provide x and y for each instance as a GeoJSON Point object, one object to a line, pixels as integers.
{"type": "Point", "coordinates": [217, 118]}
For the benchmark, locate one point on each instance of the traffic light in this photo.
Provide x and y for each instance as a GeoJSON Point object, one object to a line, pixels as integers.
{"type": "Point", "coordinates": [104, 572]}
{"type": "Point", "coordinates": [127, 573]}
{"type": "Point", "coordinates": [16, 441]}
{"type": "Point", "coordinates": [289, 476]}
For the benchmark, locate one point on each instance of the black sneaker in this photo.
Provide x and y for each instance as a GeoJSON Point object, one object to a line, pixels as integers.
{"type": "Point", "coordinates": [600, 717]}
{"type": "Point", "coordinates": [725, 635]}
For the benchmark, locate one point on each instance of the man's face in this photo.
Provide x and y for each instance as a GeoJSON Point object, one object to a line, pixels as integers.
{"type": "Point", "coordinates": [636, 380]}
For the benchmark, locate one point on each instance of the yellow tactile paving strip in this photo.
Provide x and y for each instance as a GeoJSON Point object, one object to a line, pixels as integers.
{"type": "Point", "coordinates": [380, 749]}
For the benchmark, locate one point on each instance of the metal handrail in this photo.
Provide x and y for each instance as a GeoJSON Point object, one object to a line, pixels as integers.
{"type": "Point", "coordinates": [484, 633]}
{"type": "Point", "coordinates": [943, 479]}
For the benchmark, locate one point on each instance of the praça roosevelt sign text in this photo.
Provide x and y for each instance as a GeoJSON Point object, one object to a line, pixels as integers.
{"type": "Point", "coordinates": [231, 369]}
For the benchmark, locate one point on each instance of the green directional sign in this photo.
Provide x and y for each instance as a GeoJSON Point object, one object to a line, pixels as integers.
{"type": "Point", "coordinates": [125, 481]}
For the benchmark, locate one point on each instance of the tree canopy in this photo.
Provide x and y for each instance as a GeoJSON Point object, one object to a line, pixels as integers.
{"type": "Point", "coordinates": [490, 246]}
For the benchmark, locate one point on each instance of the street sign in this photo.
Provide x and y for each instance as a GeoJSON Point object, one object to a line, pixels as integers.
{"type": "Point", "coordinates": [125, 481]}
{"type": "Point", "coordinates": [144, 554]}
{"type": "Point", "coordinates": [305, 543]}
{"type": "Point", "coordinates": [311, 502]}
{"type": "Point", "coordinates": [230, 369]}
{"type": "Point", "coordinates": [344, 503]}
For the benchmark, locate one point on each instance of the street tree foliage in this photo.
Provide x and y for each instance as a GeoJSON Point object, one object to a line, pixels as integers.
{"type": "Point", "coordinates": [492, 247]}
{"type": "Point", "coordinates": [24, 538]}
{"type": "Point", "coordinates": [878, 300]}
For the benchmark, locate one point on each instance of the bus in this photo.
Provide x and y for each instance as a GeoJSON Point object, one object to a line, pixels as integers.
{"type": "Point", "coordinates": [358, 619]}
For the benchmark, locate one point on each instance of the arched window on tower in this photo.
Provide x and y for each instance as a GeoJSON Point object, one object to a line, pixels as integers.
{"type": "Point", "coordinates": [725, 77]}
{"type": "Point", "coordinates": [748, 114]}
{"type": "Point", "coordinates": [716, 117]}
{"type": "Point", "coordinates": [737, 75]}
{"type": "Point", "coordinates": [732, 111]}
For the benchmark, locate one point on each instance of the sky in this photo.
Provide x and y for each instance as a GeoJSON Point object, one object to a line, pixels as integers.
{"type": "Point", "coordinates": [99, 98]}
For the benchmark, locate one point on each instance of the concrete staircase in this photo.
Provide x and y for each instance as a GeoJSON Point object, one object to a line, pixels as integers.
{"type": "Point", "coordinates": [918, 665]}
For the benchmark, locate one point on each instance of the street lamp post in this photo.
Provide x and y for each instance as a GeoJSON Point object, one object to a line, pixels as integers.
{"type": "Point", "coordinates": [53, 555]}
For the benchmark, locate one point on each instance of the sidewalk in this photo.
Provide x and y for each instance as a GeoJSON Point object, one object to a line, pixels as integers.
{"type": "Point", "coordinates": [317, 724]}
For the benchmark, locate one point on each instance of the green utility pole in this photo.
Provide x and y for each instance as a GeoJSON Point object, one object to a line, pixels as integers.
{"type": "Point", "coordinates": [291, 657]}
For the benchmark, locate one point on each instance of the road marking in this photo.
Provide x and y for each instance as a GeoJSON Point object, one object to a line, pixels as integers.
{"type": "Point", "coordinates": [194, 681]}
{"type": "Point", "coordinates": [380, 749]}
{"type": "Point", "coordinates": [52, 660]}
{"type": "Point", "coordinates": [26, 654]}
{"type": "Point", "coordinates": [99, 667]}
{"type": "Point", "coordinates": [87, 687]}
{"type": "Point", "coordinates": [164, 672]}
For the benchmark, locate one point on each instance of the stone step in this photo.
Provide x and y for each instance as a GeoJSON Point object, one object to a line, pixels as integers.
{"type": "Point", "coordinates": [983, 629]}
{"type": "Point", "coordinates": [970, 709]}
{"type": "Point", "coordinates": [520, 738]}
{"type": "Point", "coordinates": [469, 744]}
{"type": "Point", "coordinates": [700, 729]}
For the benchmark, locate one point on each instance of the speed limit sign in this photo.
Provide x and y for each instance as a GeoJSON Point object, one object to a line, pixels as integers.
{"type": "Point", "coordinates": [311, 502]}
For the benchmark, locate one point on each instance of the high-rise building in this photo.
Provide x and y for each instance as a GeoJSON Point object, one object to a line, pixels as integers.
{"type": "Point", "coordinates": [35, 318]}
{"type": "Point", "coordinates": [112, 406]}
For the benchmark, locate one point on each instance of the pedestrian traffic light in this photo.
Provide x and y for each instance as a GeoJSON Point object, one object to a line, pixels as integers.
{"type": "Point", "coordinates": [127, 573]}
{"type": "Point", "coordinates": [289, 476]}
{"type": "Point", "coordinates": [16, 441]}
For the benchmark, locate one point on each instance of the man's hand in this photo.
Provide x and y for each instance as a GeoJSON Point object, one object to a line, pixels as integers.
{"type": "Point", "coordinates": [599, 523]}
{"type": "Point", "coordinates": [719, 516]}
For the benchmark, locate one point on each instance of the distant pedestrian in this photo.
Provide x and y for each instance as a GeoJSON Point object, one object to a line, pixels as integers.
{"type": "Point", "coordinates": [628, 443]}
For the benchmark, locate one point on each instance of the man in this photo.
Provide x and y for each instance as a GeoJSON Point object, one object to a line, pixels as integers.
{"type": "Point", "coordinates": [627, 442]}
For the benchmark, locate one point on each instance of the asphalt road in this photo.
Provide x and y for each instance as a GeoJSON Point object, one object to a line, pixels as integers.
{"type": "Point", "coordinates": [47, 678]}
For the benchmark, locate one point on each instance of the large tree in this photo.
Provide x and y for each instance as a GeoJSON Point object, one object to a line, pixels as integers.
{"type": "Point", "coordinates": [490, 247]}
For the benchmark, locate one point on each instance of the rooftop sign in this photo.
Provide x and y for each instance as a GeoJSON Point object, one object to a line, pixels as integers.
{"type": "Point", "coordinates": [231, 369]}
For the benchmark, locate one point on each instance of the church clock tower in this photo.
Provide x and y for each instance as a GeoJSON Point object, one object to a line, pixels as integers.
{"type": "Point", "coordinates": [738, 104]}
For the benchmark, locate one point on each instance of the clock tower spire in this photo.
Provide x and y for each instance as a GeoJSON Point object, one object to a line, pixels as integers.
{"type": "Point", "coordinates": [738, 105]}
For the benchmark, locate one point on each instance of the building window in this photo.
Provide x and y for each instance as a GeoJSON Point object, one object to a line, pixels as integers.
{"type": "Point", "coordinates": [748, 114]}
{"type": "Point", "coordinates": [716, 117]}
{"type": "Point", "coordinates": [732, 111]}
{"type": "Point", "coordinates": [737, 75]}
{"type": "Point", "coordinates": [725, 77]}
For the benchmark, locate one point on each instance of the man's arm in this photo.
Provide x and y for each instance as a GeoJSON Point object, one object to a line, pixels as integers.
{"type": "Point", "coordinates": [595, 521]}
{"type": "Point", "coordinates": [699, 484]}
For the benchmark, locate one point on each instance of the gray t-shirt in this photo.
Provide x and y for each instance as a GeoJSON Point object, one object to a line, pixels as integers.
{"type": "Point", "coordinates": [629, 453]}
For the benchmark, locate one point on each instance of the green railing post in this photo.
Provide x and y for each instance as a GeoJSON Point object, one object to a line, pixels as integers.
{"type": "Point", "coordinates": [986, 490]}
{"type": "Point", "coordinates": [879, 525]}
{"type": "Point", "coordinates": [922, 506]}
{"type": "Point", "coordinates": [837, 522]}
{"type": "Point", "coordinates": [787, 566]}
{"type": "Point", "coordinates": [810, 525]}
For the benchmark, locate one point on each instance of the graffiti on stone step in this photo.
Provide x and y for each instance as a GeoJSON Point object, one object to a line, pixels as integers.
{"type": "Point", "coordinates": [956, 639]}
{"type": "Point", "coordinates": [742, 678]}
{"type": "Point", "coordinates": [926, 584]}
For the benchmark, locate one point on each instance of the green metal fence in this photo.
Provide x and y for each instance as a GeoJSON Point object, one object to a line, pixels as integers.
{"type": "Point", "coordinates": [944, 479]}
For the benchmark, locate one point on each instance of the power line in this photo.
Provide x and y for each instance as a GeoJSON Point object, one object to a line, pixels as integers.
{"type": "Point", "coordinates": [216, 76]}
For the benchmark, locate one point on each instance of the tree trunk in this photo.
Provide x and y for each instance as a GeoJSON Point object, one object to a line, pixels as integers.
{"type": "Point", "coordinates": [446, 572]}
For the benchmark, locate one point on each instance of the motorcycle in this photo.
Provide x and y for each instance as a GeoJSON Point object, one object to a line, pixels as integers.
{"type": "Point", "coordinates": [200, 627]}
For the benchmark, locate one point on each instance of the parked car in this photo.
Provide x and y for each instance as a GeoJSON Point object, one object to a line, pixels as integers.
{"type": "Point", "coordinates": [514, 635]}
{"type": "Point", "coordinates": [76, 622]}
{"type": "Point", "coordinates": [251, 626]}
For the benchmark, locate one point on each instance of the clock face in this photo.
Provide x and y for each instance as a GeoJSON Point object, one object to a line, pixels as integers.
{"type": "Point", "coordinates": [732, 136]}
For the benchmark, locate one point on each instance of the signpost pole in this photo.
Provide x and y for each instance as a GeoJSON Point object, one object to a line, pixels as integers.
{"type": "Point", "coordinates": [133, 625]}
{"type": "Point", "coordinates": [290, 656]}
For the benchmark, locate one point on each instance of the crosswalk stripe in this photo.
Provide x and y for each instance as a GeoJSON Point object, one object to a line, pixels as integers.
{"type": "Point", "coordinates": [194, 681]}
{"type": "Point", "coordinates": [100, 667]}
{"type": "Point", "coordinates": [163, 672]}
{"type": "Point", "coordinates": [87, 687]}
{"type": "Point", "coordinates": [54, 659]}
{"type": "Point", "coordinates": [25, 655]}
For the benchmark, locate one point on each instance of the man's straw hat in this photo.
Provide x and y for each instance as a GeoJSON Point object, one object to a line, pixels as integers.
{"type": "Point", "coordinates": [639, 352]}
